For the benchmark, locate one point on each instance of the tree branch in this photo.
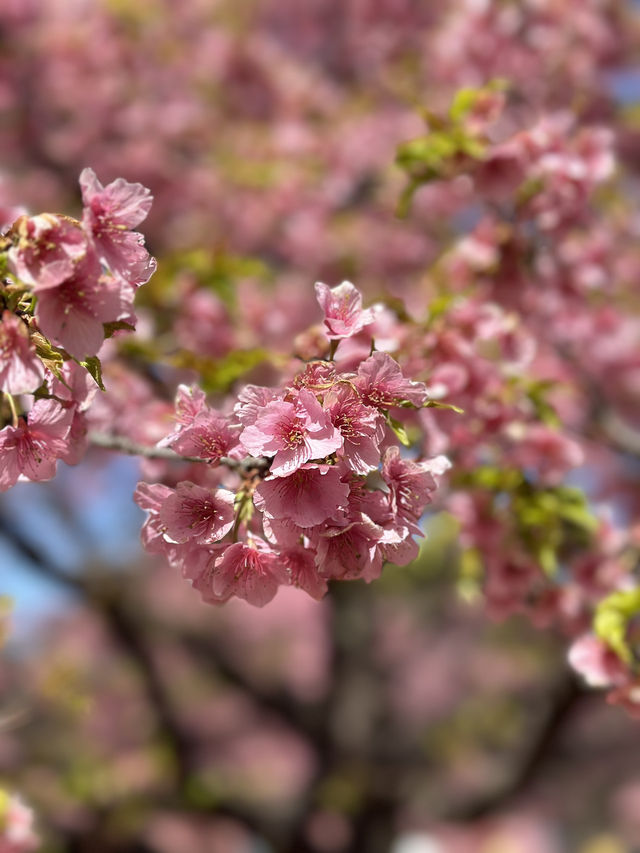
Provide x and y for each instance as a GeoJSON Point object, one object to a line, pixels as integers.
{"type": "Point", "coordinates": [122, 444]}
{"type": "Point", "coordinates": [562, 703]}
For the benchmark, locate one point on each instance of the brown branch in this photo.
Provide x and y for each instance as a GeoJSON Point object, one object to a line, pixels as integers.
{"type": "Point", "coordinates": [122, 444]}
{"type": "Point", "coordinates": [623, 437]}
{"type": "Point", "coordinates": [305, 718]}
{"type": "Point", "coordinates": [562, 703]}
{"type": "Point", "coordinates": [108, 600]}
{"type": "Point", "coordinates": [603, 424]}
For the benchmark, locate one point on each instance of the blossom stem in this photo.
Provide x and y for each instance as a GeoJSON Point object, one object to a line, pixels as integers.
{"type": "Point", "coordinates": [12, 406]}
{"type": "Point", "coordinates": [236, 526]}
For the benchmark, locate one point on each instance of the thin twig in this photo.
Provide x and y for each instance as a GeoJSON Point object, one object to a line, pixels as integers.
{"type": "Point", "coordinates": [122, 444]}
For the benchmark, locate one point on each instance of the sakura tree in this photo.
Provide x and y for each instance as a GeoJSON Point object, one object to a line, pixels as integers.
{"type": "Point", "coordinates": [395, 292]}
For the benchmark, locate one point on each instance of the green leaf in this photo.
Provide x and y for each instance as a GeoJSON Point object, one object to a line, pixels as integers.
{"type": "Point", "coordinates": [493, 478]}
{"type": "Point", "coordinates": [399, 430]}
{"type": "Point", "coordinates": [440, 305]}
{"type": "Point", "coordinates": [94, 368]}
{"type": "Point", "coordinates": [436, 404]}
{"type": "Point", "coordinates": [580, 516]}
{"type": "Point", "coordinates": [116, 326]}
{"type": "Point", "coordinates": [471, 572]}
{"type": "Point", "coordinates": [214, 270]}
{"type": "Point", "coordinates": [612, 618]}
{"type": "Point", "coordinates": [441, 154]}
{"type": "Point", "coordinates": [243, 506]}
{"type": "Point", "coordinates": [548, 559]}
{"type": "Point", "coordinates": [220, 374]}
{"type": "Point", "coordinates": [4, 807]}
{"type": "Point", "coordinates": [465, 100]}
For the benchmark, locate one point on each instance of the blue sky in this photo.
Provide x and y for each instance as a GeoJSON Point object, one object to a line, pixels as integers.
{"type": "Point", "coordinates": [109, 527]}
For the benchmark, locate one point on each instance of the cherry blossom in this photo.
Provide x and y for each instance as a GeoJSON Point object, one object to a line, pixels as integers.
{"type": "Point", "coordinates": [46, 249]}
{"type": "Point", "coordinates": [21, 371]}
{"type": "Point", "coordinates": [381, 383]}
{"type": "Point", "coordinates": [308, 496]}
{"type": "Point", "coordinates": [361, 427]}
{"type": "Point", "coordinates": [32, 448]}
{"type": "Point", "coordinates": [195, 513]}
{"type": "Point", "coordinates": [17, 831]}
{"type": "Point", "coordinates": [292, 433]}
{"type": "Point", "coordinates": [250, 571]}
{"type": "Point", "coordinates": [109, 214]}
{"type": "Point", "coordinates": [72, 313]}
{"type": "Point", "coordinates": [209, 435]}
{"type": "Point", "coordinates": [343, 313]}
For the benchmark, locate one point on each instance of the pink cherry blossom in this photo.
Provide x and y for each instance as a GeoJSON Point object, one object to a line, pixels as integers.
{"type": "Point", "coordinates": [17, 834]}
{"type": "Point", "coordinates": [189, 401]}
{"type": "Point", "coordinates": [307, 497]}
{"type": "Point", "coordinates": [303, 571]}
{"type": "Point", "coordinates": [109, 214]}
{"type": "Point", "coordinates": [596, 662]}
{"type": "Point", "coordinates": [411, 484]}
{"type": "Point", "coordinates": [76, 389]}
{"type": "Point", "coordinates": [549, 451]}
{"type": "Point", "coordinates": [198, 565]}
{"type": "Point", "coordinates": [46, 249]}
{"type": "Point", "coordinates": [362, 428]}
{"type": "Point", "coordinates": [71, 314]}
{"type": "Point", "coordinates": [196, 513]}
{"type": "Point", "coordinates": [395, 531]}
{"type": "Point", "coordinates": [21, 371]}
{"type": "Point", "coordinates": [252, 572]}
{"type": "Point", "coordinates": [318, 376]}
{"type": "Point", "coordinates": [32, 448]}
{"type": "Point", "coordinates": [349, 551]}
{"type": "Point", "coordinates": [343, 313]}
{"type": "Point", "coordinates": [292, 432]}
{"type": "Point", "coordinates": [382, 384]}
{"type": "Point", "coordinates": [282, 533]}
{"type": "Point", "coordinates": [74, 386]}
{"type": "Point", "coordinates": [402, 552]}
{"type": "Point", "coordinates": [151, 497]}
{"type": "Point", "coordinates": [209, 436]}
{"type": "Point", "coordinates": [252, 400]}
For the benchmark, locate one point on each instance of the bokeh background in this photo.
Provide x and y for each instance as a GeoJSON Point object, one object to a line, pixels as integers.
{"type": "Point", "coordinates": [391, 717]}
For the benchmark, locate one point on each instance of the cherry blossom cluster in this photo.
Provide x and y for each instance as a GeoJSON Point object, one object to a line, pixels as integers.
{"type": "Point", "coordinates": [17, 834]}
{"type": "Point", "coordinates": [303, 484]}
{"type": "Point", "coordinates": [539, 258]}
{"type": "Point", "coordinates": [68, 284]}
{"type": "Point", "coordinates": [513, 262]}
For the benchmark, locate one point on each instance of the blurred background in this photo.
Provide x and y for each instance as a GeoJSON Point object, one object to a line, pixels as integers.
{"type": "Point", "coordinates": [392, 717]}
